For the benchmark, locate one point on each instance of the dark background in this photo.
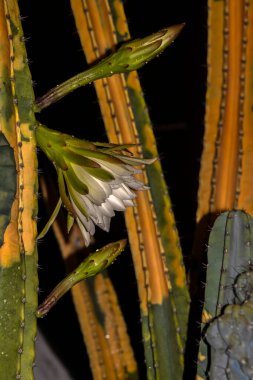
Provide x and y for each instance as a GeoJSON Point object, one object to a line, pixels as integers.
{"type": "Point", "coordinates": [174, 88]}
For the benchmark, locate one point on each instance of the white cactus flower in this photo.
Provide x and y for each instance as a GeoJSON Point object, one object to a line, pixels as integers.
{"type": "Point", "coordinates": [99, 178]}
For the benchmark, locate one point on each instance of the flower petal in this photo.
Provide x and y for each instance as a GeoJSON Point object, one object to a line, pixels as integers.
{"type": "Point", "coordinates": [116, 203]}
{"type": "Point", "coordinates": [128, 202]}
{"type": "Point", "coordinates": [85, 233]}
{"type": "Point", "coordinates": [130, 193]}
{"type": "Point", "coordinates": [114, 168]}
{"type": "Point", "coordinates": [135, 160]}
{"type": "Point", "coordinates": [86, 222]}
{"type": "Point", "coordinates": [96, 192]}
{"type": "Point", "coordinates": [80, 159]}
{"type": "Point", "coordinates": [133, 183]}
{"type": "Point", "coordinates": [121, 193]}
{"type": "Point", "coordinates": [107, 209]}
{"type": "Point", "coordinates": [99, 173]}
{"type": "Point", "coordinates": [72, 180]}
{"type": "Point", "coordinates": [107, 222]}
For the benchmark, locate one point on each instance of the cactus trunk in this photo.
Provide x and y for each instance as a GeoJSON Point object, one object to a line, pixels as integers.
{"type": "Point", "coordinates": [18, 202]}
{"type": "Point", "coordinates": [226, 175]}
{"type": "Point", "coordinates": [230, 257]}
{"type": "Point", "coordinates": [151, 226]}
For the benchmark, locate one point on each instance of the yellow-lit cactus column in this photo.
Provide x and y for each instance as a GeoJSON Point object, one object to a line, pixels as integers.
{"type": "Point", "coordinates": [151, 227]}
{"type": "Point", "coordinates": [18, 203]}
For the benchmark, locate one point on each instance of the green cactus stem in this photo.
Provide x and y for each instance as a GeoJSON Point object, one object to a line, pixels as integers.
{"type": "Point", "coordinates": [230, 335]}
{"type": "Point", "coordinates": [228, 294]}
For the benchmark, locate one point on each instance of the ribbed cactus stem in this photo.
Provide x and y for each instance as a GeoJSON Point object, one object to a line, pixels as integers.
{"type": "Point", "coordinates": [228, 298]}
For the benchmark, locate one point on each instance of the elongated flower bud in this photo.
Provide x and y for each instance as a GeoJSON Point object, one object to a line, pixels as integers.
{"type": "Point", "coordinates": [134, 54]}
{"type": "Point", "coordinates": [93, 264]}
{"type": "Point", "coordinates": [95, 179]}
{"type": "Point", "coordinates": [130, 56]}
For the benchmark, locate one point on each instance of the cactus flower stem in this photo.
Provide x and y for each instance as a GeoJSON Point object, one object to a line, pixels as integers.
{"type": "Point", "coordinates": [93, 264]}
{"type": "Point", "coordinates": [130, 56]}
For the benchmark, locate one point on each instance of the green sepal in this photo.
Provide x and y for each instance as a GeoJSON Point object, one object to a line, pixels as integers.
{"type": "Point", "coordinates": [45, 136]}
{"type": "Point", "coordinates": [80, 143]}
{"type": "Point", "coordinates": [78, 204]}
{"type": "Point", "coordinates": [63, 194]}
{"type": "Point", "coordinates": [101, 174]}
{"type": "Point", "coordinates": [109, 147]}
{"type": "Point", "coordinates": [72, 180]}
{"type": "Point", "coordinates": [79, 159]}
{"type": "Point", "coordinates": [70, 222]}
{"type": "Point", "coordinates": [96, 154]}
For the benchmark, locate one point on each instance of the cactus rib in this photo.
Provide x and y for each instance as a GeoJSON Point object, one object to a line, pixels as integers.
{"type": "Point", "coordinates": [230, 257]}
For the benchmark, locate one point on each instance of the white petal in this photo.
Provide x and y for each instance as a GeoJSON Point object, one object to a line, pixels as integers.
{"type": "Point", "coordinates": [134, 183]}
{"type": "Point", "coordinates": [107, 222]}
{"type": "Point", "coordinates": [128, 203]}
{"type": "Point", "coordinates": [107, 209]}
{"type": "Point", "coordinates": [89, 206]}
{"type": "Point", "coordinates": [118, 169]}
{"type": "Point", "coordinates": [85, 233]}
{"type": "Point", "coordinates": [116, 184]}
{"type": "Point", "coordinates": [87, 223]}
{"type": "Point", "coordinates": [105, 225]}
{"type": "Point", "coordinates": [133, 170]}
{"type": "Point", "coordinates": [102, 220]}
{"type": "Point", "coordinates": [116, 203]}
{"type": "Point", "coordinates": [130, 193]}
{"type": "Point", "coordinates": [98, 217]}
{"type": "Point", "coordinates": [105, 185]}
{"type": "Point", "coordinates": [96, 193]}
{"type": "Point", "coordinates": [121, 193]}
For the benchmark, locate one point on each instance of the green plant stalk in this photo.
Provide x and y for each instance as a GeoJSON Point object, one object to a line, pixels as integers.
{"type": "Point", "coordinates": [18, 254]}
{"type": "Point", "coordinates": [130, 56]}
{"type": "Point", "coordinates": [92, 265]}
{"type": "Point", "coordinates": [230, 254]}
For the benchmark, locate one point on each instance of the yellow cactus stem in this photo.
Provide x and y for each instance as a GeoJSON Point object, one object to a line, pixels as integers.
{"type": "Point", "coordinates": [151, 227]}
{"type": "Point", "coordinates": [18, 201]}
{"type": "Point", "coordinates": [226, 176]}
